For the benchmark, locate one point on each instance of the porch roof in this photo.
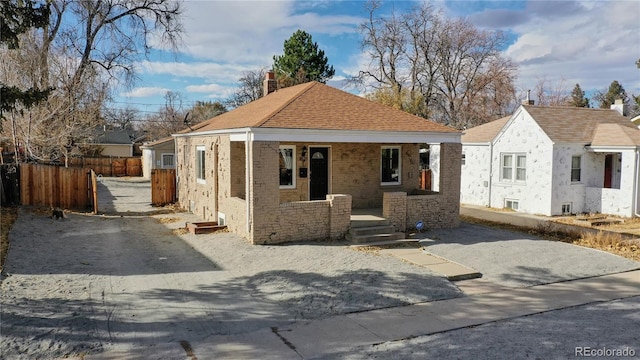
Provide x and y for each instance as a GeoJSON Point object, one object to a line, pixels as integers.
{"type": "Point", "coordinates": [615, 135]}
{"type": "Point", "coordinates": [315, 106]}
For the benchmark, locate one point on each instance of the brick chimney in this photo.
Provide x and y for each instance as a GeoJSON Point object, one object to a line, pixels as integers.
{"type": "Point", "coordinates": [269, 84]}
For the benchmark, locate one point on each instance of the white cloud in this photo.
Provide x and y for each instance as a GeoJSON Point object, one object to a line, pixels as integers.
{"type": "Point", "coordinates": [592, 46]}
{"type": "Point", "coordinates": [142, 92]}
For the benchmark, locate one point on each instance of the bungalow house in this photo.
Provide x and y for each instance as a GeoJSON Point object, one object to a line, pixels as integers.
{"type": "Point", "coordinates": [293, 164]}
{"type": "Point", "coordinates": [158, 155]}
{"type": "Point", "coordinates": [112, 142]}
{"type": "Point", "coordinates": [553, 161]}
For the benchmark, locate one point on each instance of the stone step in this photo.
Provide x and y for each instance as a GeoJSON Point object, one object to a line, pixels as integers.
{"type": "Point", "coordinates": [371, 230]}
{"type": "Point", "coordinates": [360, 239]}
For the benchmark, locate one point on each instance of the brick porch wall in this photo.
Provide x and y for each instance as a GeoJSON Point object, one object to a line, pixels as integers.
{"type": "Point", "coordinates": [440, 210]}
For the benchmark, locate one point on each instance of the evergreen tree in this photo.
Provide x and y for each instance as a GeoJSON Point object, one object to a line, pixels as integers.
{"type": "Point", "coordinates": [302, 61]}
{"type": "Point", "coordinates": [577, 97]}
{"type": "Point", "coordinates": [615, 92]}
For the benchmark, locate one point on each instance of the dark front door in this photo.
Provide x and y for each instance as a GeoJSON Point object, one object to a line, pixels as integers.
{"type": "Point", "coordinates": [319, 173]}
{"type": "Point", "coordinates": [608, 166]}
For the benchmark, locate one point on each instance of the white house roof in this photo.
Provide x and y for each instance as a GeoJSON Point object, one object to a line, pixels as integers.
{"type": "Point", "coordinates": [615, 135]}
{"type": "Point", "coordinates": [564, 124]}
{"type": "Point", "coordinates": [485, 132]}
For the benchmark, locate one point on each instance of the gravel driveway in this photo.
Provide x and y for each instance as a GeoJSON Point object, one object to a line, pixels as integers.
{"type": "Point", "coordinates": [88, 284]}
{"type": "Point", "coordinates": [138, 284]}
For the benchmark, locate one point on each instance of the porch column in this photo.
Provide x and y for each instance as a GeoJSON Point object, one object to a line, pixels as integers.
{"type": "Point", "coordinates": [264, 191]}
{"type": "Point", "coordinates": [450, 169]}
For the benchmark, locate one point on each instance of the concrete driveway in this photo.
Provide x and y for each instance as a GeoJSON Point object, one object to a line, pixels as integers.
{"type": "Point", "coordinates": [519, 259]}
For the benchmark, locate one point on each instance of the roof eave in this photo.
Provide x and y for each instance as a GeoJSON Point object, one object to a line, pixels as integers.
{"type": "Point", "coordinates": [333, 136]}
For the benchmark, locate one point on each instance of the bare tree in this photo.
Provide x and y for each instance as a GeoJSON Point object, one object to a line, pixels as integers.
{"type": "Point", "coordinates": [249, 88]}
{"type": "Point", "coordinates": [121, 118]}
{"type": "Point", "coordinates": [444, 69]}
{"type": "Point", "coordinates": [549, 93]}
{"type": "Point", "coordinates": [84, 51]}
{"type": "Point", "coordinates": [170, 119]}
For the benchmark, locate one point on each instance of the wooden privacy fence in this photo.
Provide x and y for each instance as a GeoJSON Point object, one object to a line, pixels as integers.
{"type": "Point", "coordinates": [55, 186]}
{"type": "Point", "coordinates": [110, 166]}
{"type": "Point", "coordinates": [163, 186]}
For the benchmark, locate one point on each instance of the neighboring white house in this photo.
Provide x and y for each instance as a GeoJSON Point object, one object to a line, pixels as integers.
{"type": "Point", "coordinates": [158, 155]}
{"type": "Point", "coordinates": [553, 161]}
{"type": "Point", "coordinates": [118, 143]}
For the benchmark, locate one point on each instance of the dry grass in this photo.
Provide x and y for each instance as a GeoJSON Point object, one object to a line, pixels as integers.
{"type": "Point", "coordinates": [180, 231]}
{"type": "Point", "coordinates": [8, 216]}
{"type": "Point", "coordinates": [605, 241]}
{"type": "Point", "coordinates": [612, 243]}
{"type": "Point", "coordinates": [168, 220]}
{"type": "Point", "coordinates": [626, 225]}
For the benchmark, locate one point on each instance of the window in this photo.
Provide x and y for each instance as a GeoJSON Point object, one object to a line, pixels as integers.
{"type": "Point", "coordinates": [464, 159]}
{"type": "Point", "coordinates": [513, 164]}
{"type": "Point", "coordinates": [511, 204]}
{"type": "Point", "coordinates": [390, 165]}
{"type": "Point", "coordinates": [521, 167]}
{"type": "Point", "coordinates": [167, 161]}
{"type": "Point", "coordinates": [575, 168]}
{"type": "Point", "coordinates": [200, 164]}
{"type": "Point", "coordinates": [566, 209]}
{"type": "Point", "coordinates": [287, 167]}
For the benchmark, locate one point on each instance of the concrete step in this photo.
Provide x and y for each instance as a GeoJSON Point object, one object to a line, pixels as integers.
{"type": "Point", "coordinates": [369, 222]}
{"type": "Point", "coordinates": [371, 230]}
{"type": "Point", "coordinates": [360, 239]}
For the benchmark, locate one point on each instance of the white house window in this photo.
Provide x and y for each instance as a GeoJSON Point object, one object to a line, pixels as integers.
{"type": "Point", "coordinates": [200, 164]}
{"type": "Point", "coordinates": [390, 166]}
{"type": "Point", "coordinates": [464, 159]}
{"type": "Point", "coordinates": [513, 167]}
{"type": "Point", "coordinates": [167, 161]}
{"type": "Point", "coordinates": [511, 204]}
{"type": "Point", "coordinates": [566, 209]}
{"type": "Point", "coordinates": [287, 167]}
{"type": "Point", "coordinates": [575, 168]}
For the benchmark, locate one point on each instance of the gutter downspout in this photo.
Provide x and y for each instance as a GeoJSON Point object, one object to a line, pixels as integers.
{"type": "Point", "coordinates": [490, 170]}
{"type": "Point", "coordinates": [247, 180]}
{"type": "Point", "coordinates": [635, 184]}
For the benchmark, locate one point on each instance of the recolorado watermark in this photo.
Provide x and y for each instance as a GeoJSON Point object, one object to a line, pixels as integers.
{"type": "Point", "coordinates": [604, 351]}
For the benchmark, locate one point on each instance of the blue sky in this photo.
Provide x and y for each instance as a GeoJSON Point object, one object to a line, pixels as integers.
{"type": "Point", "coordinates": [587, 42]}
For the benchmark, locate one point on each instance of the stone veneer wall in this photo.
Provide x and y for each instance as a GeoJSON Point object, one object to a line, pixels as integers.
{"type": "Point", "coordinates": [302, 220]}
{"type": "Point", "coordinates": [200, 198]}
{"type": "Point", "coordinates": [441, 210]}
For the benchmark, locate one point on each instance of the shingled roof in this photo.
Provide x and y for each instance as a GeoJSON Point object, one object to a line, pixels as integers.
{"type": "Point", "coordinates": [568, 125]}
{"type": "Point", "coordinates": [317, 106]}
{"type": "Point", "coordinates": [485, 132]}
